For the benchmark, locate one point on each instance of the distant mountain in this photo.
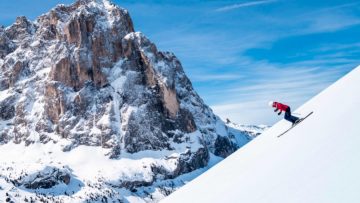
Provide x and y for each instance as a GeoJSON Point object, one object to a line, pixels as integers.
{"type": "Point", "coordinates": [253, 130]}
{"type": "Point", "coordinates": [91, 111]}
{"type": "Point", "coordinates": [316, 161]}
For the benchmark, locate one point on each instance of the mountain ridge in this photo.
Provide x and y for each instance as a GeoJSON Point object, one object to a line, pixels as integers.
{"type": "Point", "coordinates": [79, 80]}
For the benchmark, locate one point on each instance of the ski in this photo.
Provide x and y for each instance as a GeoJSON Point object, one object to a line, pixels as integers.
{"type": "Point", "coordinates": [300, 120]}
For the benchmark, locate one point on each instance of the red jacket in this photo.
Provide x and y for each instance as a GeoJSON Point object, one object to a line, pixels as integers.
{"type": "Point", "coordinates": [280, 106]}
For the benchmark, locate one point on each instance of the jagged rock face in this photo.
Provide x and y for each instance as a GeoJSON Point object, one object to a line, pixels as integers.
{"type": "Point", "coordinates": [80, 73]}
{"type": "Point", "coordinates": [94, 81]}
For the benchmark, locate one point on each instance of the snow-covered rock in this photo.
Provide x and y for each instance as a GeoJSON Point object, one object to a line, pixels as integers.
{"type": "Point", "coordinates": [316, 161]}
{"type": "Point", "coordinates": [79, 83]}
{"type": "Point", "coordinates": [45, 178]}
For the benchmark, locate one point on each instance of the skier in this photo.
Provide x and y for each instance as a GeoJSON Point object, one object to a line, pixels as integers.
{"type": "Point", "coordinates": [282, 107]}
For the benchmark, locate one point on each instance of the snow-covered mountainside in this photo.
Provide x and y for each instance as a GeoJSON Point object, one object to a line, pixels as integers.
{"type": "Point", "coordinates": [253, 130]}
{"type": "Point", "coordinates": [316, 161]}
{"type": "Point", "coordinates": [91, 110]}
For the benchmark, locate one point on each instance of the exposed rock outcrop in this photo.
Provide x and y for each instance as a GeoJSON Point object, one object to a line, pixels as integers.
{"type": "Point", "coordinates": [47, 178]}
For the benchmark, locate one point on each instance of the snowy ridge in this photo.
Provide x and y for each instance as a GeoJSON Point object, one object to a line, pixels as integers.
{"type": "Point", "coordinates": [253, 130]}
{"type": "Point", "coordinates": [317, 161]}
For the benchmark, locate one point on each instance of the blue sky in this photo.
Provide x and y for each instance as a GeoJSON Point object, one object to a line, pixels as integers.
{"type": "Point", "coordinates": [240, 54]}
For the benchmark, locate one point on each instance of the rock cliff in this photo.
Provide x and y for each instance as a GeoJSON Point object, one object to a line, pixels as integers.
{"type": "Point", "coordinates": [80, 75]}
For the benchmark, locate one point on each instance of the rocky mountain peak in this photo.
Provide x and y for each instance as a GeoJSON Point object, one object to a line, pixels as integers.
{"type": "Point", "coordinates": [80, 76]}
{"type": "Point", "coordinates": [94, 81]}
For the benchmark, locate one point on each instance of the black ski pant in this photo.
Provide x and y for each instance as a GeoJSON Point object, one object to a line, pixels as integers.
{"type": "Point", "coordinates": [290, 117]}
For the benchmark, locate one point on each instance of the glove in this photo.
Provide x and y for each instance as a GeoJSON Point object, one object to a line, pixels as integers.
{"type": "Point", "coordinates": [276, 110]}
{"type": "Point", "coordinates": [279, 113]}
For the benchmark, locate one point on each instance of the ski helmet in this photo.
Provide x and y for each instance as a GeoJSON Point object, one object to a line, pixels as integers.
{"type": "Point", "coordinates": [270, 103]}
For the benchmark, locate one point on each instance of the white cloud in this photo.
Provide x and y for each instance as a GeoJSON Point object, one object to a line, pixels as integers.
{"type": "Point", "coordinates": [322, 20]}
{"type": "Point", "coordinates": [216, 77]}
{"type": "Point", "coordinates": [242, 5]}
{"type": "Point", "coordinates": [337, 47]}
{"type": "Point", "coordinates": [330, 22]}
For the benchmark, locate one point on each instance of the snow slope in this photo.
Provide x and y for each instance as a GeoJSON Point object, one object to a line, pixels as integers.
{"type": "Point", "coordinates": [317, 161]}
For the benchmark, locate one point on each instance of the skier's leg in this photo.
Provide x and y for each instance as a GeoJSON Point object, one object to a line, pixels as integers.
{"type": "Point", "coordinates": [288, 116]}
{"type": "Point", "coordinates": [293, 118]}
